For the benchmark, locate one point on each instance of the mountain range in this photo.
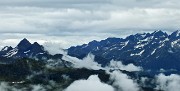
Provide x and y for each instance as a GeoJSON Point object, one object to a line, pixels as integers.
{"type": "Point", "coordinates": [152, 51]}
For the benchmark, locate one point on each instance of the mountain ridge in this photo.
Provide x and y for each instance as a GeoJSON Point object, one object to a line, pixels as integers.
{"type": "Point", "coordinates": [151, 50]}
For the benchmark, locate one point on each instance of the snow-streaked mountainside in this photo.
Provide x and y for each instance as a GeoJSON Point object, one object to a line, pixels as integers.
{"type": "Point", "coordinates": [23, 49]}
{"type": "Point", "coordinates": [153, 51]}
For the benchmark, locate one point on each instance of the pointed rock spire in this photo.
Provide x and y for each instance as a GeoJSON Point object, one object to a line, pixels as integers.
{"type": "Point", "coordinates": [176, 33]}
{"type": "Point", "coordinates": [36, 45]}
{"type": "Point", "coordinates": [23, 44]}
{"type": "Point", "coordinates": [160, 33]}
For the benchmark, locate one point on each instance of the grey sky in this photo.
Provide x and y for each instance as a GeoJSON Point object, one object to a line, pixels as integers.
{"type": "Point", "coordinates": [66, 21]}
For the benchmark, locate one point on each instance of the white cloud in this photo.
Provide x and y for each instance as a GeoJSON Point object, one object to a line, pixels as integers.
{"type": "Point", "coordinates": [87, 62]}
{"type": "Point", "coordinates": [122, 82]}
{"type": "Point", "coordinates": [54, 48]}
{"type": "Point", "coordinates": [118, 65]}
{"type": "Point", "coordinates": [168, 83]}
{"type": "Point", "coordinates": [93, 83]}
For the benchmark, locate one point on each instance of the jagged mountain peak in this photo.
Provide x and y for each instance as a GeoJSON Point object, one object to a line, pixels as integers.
{"type": "Point", "coordinates": [176, 33]}
{"type": "Point", "coordinates": [25, 40]}
{"type": "Point", "coordinates": [160, 33]}
{"type": "Point", "coordinates": [6, 48]}
{"type": "Point", "coordinates": [36, 44]}
{"type": "Point", "coordinates": [23, 44]}
{"type": "Point", "coordinates": [93, 42]}
{"type": "Point", "coordinates": [134, 37]}
{"type": "Point", "coordinates": [36, 47]}
{"type": "Point", "coordinates": [139, 35]}
{"type": "Point", "coordinates": [23, 49]}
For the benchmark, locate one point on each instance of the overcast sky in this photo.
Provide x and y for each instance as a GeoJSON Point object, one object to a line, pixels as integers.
{"type": "Point", "coordinates": [72, 22]}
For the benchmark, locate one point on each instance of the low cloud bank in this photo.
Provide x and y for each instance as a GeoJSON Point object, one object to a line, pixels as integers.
{"type": "Point", "coordinates": [93, 83]}
{"type": "Point", "coordinates": [168, 83]}
{"type": "Point", "coordinates": [118, 65]}
{"type": "Point", "coordinates": [122, 82]}
{"type": "Point", "coordinates": [87, 62]}
{"type": "Point", "coordinates": [53, 48]}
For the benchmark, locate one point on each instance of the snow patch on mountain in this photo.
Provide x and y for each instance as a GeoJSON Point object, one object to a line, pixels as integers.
{"type": "Point", "coordinates": [27, 51]}
{"type": "Point", "coordinates": [175, 42]}
{"type": "Point", "coordinates": [124, 45]}
{"type": "Point", "coordinates": [11, 53]}
{"type": "Point", "coordinates": [5, 48]}
{"type": "Point", "coordinates": [138, 54]}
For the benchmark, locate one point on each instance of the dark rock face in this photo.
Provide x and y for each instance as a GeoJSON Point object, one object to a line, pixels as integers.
{"type": "Point", "coordinates": [23, 44]}
{"type": "Point", "coordinates": [154, 51]}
